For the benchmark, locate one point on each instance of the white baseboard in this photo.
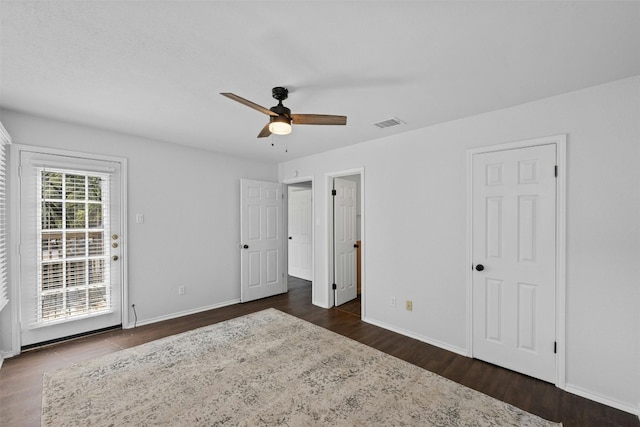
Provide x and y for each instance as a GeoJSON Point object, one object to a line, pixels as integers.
{"type": "Point", "coordinates": [587, 394]}
{"type": "Point", "coordinates": [5, 355]}
{"type": "Point", "coordinates": [440, 344]}
{"type": "Point", "coordinates": [319, 304]}
{"type": "Point", "coordinates": [181, 313]}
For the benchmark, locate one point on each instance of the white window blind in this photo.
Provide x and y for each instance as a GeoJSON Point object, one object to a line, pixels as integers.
{"type": "Point", "coordinates": [4, 143]}
{"type": "Point", "coordinates": [73, 231]}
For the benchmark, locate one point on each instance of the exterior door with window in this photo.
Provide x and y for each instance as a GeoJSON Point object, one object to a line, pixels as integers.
{"type": "Point", "coordinates": [70, 246]}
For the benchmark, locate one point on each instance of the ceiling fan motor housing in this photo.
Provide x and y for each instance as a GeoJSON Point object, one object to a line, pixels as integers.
{"type": "Point", "coordinates": [280, 93]}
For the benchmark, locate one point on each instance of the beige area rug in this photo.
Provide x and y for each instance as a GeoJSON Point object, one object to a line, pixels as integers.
{"type": "Point", "coordinates": [264, 369]}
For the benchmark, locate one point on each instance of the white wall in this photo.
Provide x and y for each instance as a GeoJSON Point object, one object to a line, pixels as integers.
{"type": "Point", "coordinates": [191, 205]}
{"type": "Point", "coordinates": [415, 228]}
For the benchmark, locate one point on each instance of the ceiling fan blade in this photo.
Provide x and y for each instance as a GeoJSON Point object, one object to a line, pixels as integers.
{"type": "Point", "coordinates": [265, 131]}
{"type": "Point", "coordinates": [249, 104]}
{"type": "Point", "coordinates": [318, 119]}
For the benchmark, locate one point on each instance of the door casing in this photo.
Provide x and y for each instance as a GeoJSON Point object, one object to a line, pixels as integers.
{"type": "Point", "coordinates": [14, 232]}
{"type": "Point", "coordinates": [560, 142]}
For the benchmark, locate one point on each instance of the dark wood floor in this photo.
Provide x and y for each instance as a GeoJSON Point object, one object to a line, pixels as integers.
{"type": "Point", "coordinates": [21, 377]}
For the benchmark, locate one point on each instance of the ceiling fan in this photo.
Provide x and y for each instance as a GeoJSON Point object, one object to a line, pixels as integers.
{"type": "Point", "coordinates": [280, 117]}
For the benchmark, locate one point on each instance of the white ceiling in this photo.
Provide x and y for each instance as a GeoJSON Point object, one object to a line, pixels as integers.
{"type": "Point", "coordinates": [156, 68]}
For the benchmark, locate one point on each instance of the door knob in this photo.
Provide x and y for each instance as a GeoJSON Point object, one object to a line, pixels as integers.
{"type": "Point", "coordinates": [115, 257]}
{"type": "Point", "coordinates": [479, 267]}
{"type": "Point", "coordinates": [245, 246]}
{"type": "Point", "coordinates": [290, 238]}
{"type": "Point", "coordinates": [356, 245]}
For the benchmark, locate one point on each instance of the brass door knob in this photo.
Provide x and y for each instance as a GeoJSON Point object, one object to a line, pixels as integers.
{"type": "Point", "coordinates": [115, 257]}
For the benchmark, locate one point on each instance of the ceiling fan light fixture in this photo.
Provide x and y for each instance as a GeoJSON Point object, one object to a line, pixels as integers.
{"type": "Point", "coordinates": [280, 125]}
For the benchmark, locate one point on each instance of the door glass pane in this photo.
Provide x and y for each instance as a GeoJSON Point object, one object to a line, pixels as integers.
{"type": "Point", "coordinates": [97, 298]}
{"type": "Point", "coordinates": [52, 185]}
{"type": "Point", "coordinates": [75, 243]}
{"type": "Point", "coordinates": [52, 276]}
{"type": "Point", "coordinates": [51, 246]}
{"type": "Point", "coordinates": [95, 215]}
{"type": "Point", "coordinates": [76, 273]}
{"type": "Point", "coordinates": [52, 306]}
{"type": "Point", "coordinates": [51, 215]}
{"type": "Point", "coordinates": [73, 253]}
{"type": "Point", "coordinates": [75, 186]}
{"type": "Point", "coordinates": [96, 243]}
{"type": "Point", "coordinates": [77, 302]}
{"type": "Point", "coordinates": [75, 214]}
{"type": "Point", "coordinates": [95, 188]}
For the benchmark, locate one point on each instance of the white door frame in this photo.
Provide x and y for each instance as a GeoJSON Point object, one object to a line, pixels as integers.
{"type": "Point", "coordinates": [560, 142]}
{"type": "Point", "coordinates": [328, 180]}
{"type": "Point", "coordinates": [14, 233]}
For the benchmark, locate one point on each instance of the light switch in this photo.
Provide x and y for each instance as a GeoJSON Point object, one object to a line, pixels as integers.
{"type": "Point", "coordinates": [139, 218]}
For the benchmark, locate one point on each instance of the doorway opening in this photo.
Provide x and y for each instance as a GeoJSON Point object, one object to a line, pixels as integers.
{"type": "Point", "coordinates": [300, 235]}
{"type": "Point", "coordinates": [299, 226]}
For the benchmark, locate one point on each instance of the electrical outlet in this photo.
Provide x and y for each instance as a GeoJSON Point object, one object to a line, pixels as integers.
{"type": "Point", "coordinates": [180, 290]}
{"type": "Point", "coordinates": [409, 305]}
{"type": "Point", "coordinates": [393, 301]}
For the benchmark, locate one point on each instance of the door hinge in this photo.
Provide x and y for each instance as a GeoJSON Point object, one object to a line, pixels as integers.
{"type": "Point", "coordinates": [555, 347]}
{"type": "Point", "coordinates": [334, 286]}
{"type": "Point", "coordinates": [334, 192]}
{"type": "Point", "coordinates": [19, 171]}
{"type": "Point", "coordinates": [555, 170]}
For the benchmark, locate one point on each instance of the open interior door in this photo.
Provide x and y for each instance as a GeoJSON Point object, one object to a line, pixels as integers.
{"type": "Point", "coordinates": [344, 240]}
{"type": "Point", "coordinates": [261, 238]}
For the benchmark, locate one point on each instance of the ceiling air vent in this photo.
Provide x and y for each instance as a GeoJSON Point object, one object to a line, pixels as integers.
{"type": "Point", "coordinates": [394, 121]}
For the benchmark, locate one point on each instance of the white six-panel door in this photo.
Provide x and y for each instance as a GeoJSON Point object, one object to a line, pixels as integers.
{"type": "Point", "coordinates": [514, 253]}
{"type": "Point", "coordinates": [261, 239]}
{"type": "Point", "coordinates": [344, 240]}
{"type": "Point", "coordinates": [299, 252]}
